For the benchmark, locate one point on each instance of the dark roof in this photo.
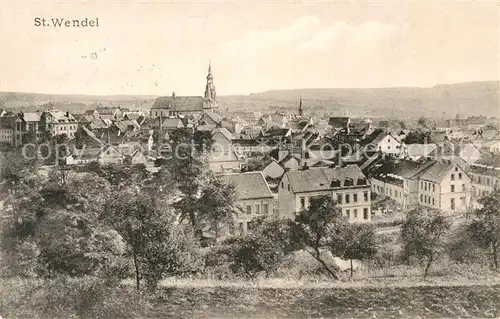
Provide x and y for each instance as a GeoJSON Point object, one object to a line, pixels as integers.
{"type": "Point", "coordinates": [213, 116]}
{"type": "Point", "coordinates": [338, 122]}
{"type": "Point", "coordinates": [317, 179]}
{"type": "Point", "coordinates": [179, 103]}
{"type": "Point", "coordinates": [437, 171]}
{"type": "Point", "coordinates": [249, 185]}
{"type": "Point", "coordinates": [392, 171]}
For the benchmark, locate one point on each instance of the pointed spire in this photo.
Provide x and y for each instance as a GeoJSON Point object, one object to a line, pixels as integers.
{"type": "Point", "coordinates": [301, 110]}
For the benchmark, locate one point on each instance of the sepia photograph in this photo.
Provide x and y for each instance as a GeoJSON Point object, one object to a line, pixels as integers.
{"type": "Point", "coordinates": [249, 159]}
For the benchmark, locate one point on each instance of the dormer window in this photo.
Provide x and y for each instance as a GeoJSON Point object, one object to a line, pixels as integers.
{"type": "Point", "coordinates": [361, 181]}
{"type": "Point", "coordinates": [335, 183]}
{"type": "Point", "coordinates": [348, 182]}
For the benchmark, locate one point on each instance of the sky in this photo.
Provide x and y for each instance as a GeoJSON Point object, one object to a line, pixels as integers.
{"type": "Point", "coordinates": [163, 47]}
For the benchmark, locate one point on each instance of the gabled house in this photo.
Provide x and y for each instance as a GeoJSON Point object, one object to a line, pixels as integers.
{"type": "Point", "coordinates": [445, 186]}
{"type": "Point", "coordinates": [221, 138]}
{"type": "Point", "coordinates": [380, 141]}
{"type": "Point", "coordinates": [102, 155]}
{"type": "Point", "coordinates": [417, 151]}
{"type": "Point", "coordinates": [226, 161]}
{"type": "Point", "coordinates": [211, 119]}
{"type": "Point", "coordinates": [485, 175]}
{"type": "Point", "coordinates": [56, 122]}
{"type": "Point", "coordinates": [272, 169]}
{"type": "Point", "coordinates": [113, 113]}
{"type": "Point", "coordinates": [348, 185]}
{"type": "Point", "coordinates": [253, 196]}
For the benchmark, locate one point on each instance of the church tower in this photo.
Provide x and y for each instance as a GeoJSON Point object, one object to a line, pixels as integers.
{"type": "Point", "coordinates": [210, 87]}
{"type": "Point", "coordinates": [301, 110]}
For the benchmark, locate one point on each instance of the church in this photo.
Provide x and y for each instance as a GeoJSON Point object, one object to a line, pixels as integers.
{"type": "Point", "coordinates": [168, 106]}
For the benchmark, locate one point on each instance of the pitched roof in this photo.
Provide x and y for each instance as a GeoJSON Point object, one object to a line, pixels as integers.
{"type": "Point", "coordinates": [223, 131]}
{"type": "Point", "coordinates": [60, 116]}
{"type": "Point", "coordinates": [249, 185]}
{"type": "Point", "coordinates": [317, 179]}
{"type": "Point", "coordinates": [167, 122]}
{"type": "Point", "coordinates": [213, 116]}
{"type": "Point", "coordinates": [339, 122]}
{"type": "Point", "coordinates": [127, 125]}
{"type": "Point", "coordinates": [179, 103]}
{"type": "Point", "coordinates": [437, 171]}
{"type": "Point", "coordinates": [393, 171]}
{"type": "Point", "coordinates": [32, 117]}
{"type": "Point", "coordinates": [420, 149]}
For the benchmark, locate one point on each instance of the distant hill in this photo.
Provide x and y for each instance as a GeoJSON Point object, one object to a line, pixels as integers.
{"type": "Point", "coordinates": [468, 98]}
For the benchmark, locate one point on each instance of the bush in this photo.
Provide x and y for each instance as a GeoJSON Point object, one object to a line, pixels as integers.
{"type": "Point", "coordinates": [463, 249]}
{"type": "Point", "coordinates": [301, 265]}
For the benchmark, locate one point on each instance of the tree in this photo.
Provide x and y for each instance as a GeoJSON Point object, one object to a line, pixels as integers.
{"type": "Point", "coordinates": [485, 228]}
{"type": "Point", "coordinates": [422, 121]}
{"type": "Point", "coordinates": [423, 234]}
{"type": "Point", "coordinates": [217, 205]}
{"type": "Point", "coordinates": [402, 124]}
{"type": "Point", "coordinates": [315, 226]}
{"type": "Point", "coordinates": [158, 245]}
{"type": "Point", "coordinates": [59, 224]}
{"type": "Point", "coordinates": [417, 137]}
{"type": "Point", "coordinates": [263, 249]}
{"type": "Point", "coordinates": [355, 241]}
{"type": "Point", "coordinates": [255, 164]}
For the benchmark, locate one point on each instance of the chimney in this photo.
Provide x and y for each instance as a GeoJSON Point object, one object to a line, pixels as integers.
{"type": "Point", "coordinates": [67, 113]}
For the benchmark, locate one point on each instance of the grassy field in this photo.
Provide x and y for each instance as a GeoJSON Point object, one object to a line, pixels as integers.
{"type": "Point", "coordinates": [211, 299]}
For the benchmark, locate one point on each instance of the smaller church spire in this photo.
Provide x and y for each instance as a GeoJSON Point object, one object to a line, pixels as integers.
{"type": "Point", "coordinates": [301, 110]}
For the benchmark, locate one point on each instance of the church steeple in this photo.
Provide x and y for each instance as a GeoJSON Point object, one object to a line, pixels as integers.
{"type": "Point", "coordinates": [301, 110]}
{"type": "Point", "coordinates": [210, 87]}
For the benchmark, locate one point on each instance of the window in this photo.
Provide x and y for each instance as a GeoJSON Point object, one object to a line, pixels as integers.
{"type": "Point", "coordinates": [425, 186]}
{"type": "Point", "coordinates": [365, 213]}
{"type": "Point", "coordinates": [452, 177]}
{"type": "Point", "coordinates": [347, 198]}
{"type": "Point", "coordinates": [456, 169]}
{"type": "Point", "coordinates": [452, 188]}
{"type": "Point", "coordinates": [288, 187]}
{"type": "Point", "coordinates": [488, 181]}
{"type": "Point", "coordinates": [339, 198]}
{"type": "Point", "coordinates": [282, 185]}
{"type": "Point", "coordinates": [421, 198]}
{"type": "Point", "coordinates": [425, 199]}
{"type": "Point", "coordinates": [355, 213]}
{"type": "Point", "coordinates": [421, 185]}
{"type": "Point", "coordinates": [459, 175]}
{"type": "Point", "coordinates": [354, 198]}
{"type": "Point", "coordinates": [390, 192]}
{"type": "Point", "coordinates": [265, 208]}
{"type": "Point", "coordinates": [302, 202]}
{"type": "Point", "coordinates": [433, 202]}
{"type": "Point", "coordinates": [257, 209]}
{"type": "Point", "coordinates": [452, 204]}
{"type": "Point", "coordinates": [249, 209]}
{"type": "Point", "coordinates": [348, 214]}
{"type": "Point", "coordinates": [463, 187]}
{"type": "Point", "coordinates": [433, 187]}
{"type": "Point", "coordinates": [365, 196]}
